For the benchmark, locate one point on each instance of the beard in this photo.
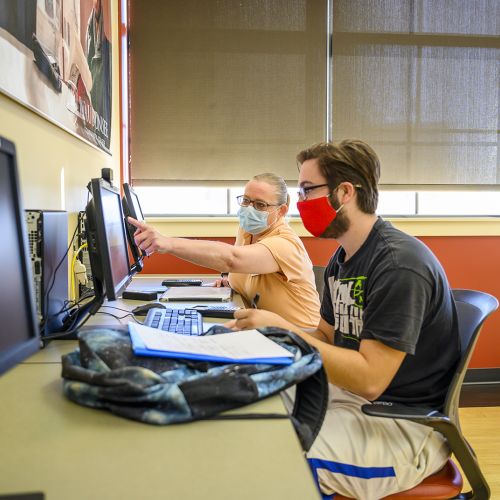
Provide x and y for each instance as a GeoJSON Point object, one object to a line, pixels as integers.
{"type": "Point", "coordinates": [339, 226]}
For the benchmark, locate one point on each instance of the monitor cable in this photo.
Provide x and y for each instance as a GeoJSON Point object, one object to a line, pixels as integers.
{"type": "Point", "coordinates": [45, 318]}
{"type": "Point", "coordinates": [44, 321]}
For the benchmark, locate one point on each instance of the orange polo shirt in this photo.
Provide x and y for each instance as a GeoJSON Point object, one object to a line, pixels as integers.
{"type": "Point", "coordinates": [290, 292]}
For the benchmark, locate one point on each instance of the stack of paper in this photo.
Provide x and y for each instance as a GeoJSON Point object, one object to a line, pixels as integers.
{"type": "Point", "coordinates": [248, 346]}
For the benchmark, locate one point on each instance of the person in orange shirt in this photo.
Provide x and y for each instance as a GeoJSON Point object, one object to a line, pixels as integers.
{"type": "Point", "coordinates": [268, 258]}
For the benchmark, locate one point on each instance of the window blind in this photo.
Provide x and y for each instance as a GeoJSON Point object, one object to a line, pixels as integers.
{"type": "Point", "coordinates": [222, 89]}
{"type": "Point", "coordinates": [419, 81]}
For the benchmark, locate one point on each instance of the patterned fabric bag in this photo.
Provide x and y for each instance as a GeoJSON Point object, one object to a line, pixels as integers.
{"type": "Point", "coordinates": [104, 373]}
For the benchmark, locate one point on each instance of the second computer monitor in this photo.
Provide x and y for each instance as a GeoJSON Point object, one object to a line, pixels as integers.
{"type": "Point", "coordinates": [132, 208]}
{"type": "Point", "coordinates": [107, 240]}
{"type": "Point", "coordinates": [19, 334]}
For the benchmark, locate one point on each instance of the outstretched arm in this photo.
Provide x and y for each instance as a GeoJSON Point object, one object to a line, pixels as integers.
{"type": "Point", "coordinates": [251, 259]}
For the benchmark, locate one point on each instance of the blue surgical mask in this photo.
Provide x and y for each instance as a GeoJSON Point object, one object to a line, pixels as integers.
{"type": "Point", "coordinates": [252, 221]}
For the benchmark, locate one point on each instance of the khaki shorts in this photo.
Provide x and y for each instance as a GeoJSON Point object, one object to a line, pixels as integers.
{"type": "Point", "coordinates": [367, 457]}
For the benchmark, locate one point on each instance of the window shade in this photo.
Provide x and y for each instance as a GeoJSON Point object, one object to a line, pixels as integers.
{"type": "Point", "coordinates": [222, 89]}
{"type": "Point", "coordinates": [419, 81]}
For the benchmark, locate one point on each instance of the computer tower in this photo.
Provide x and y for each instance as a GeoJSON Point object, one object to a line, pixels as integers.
{"type": "Point", "coordinates": [48, 241]}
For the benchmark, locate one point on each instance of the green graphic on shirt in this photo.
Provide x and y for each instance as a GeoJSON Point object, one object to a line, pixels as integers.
{"type": "Point", "coordinates": [348, 298]}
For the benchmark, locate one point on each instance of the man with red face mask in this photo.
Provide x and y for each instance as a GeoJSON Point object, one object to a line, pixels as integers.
{"type": "Point", "coordinates": [387, 331]}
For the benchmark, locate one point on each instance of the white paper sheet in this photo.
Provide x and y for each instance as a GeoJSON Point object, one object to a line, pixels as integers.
{"type": "Point", "coordinates": [247, 344]}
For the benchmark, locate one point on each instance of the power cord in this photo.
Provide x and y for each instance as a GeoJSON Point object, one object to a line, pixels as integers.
{"type": "Point", "coordinates": [69, 305]}
{"type": "Point", "coordinates": [45, 317]}
{"type": "Point", "coordinates": [72, 331]}
{"type": "Point", "coordinates": [119, 317]}
{"type": "Point", "coordinates": [82, 270]}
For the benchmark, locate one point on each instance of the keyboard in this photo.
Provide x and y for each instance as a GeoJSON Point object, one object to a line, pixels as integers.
{"type": "Point", "coordinates": [181, 321]}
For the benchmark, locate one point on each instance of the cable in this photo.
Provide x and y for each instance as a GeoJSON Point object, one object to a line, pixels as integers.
{"type": "Point", "coordinates": [117, 308]}
{"type": "Point", "coordinates": [119, 317]}
{"type": "Point", "coordinates": [47, 293]}
{"type": "Point", "coordinates": [88, 309]}
{"type": "Point", "coordinates": [76, 315]}
{"type": "Point", "coordinates": [60, 335]}
{"type": "Point", "coordinates": [73, 262]}
{"type": "Point", "coordinates": [68, 306]}
{"type": "Point", "coordinates": [74, 330]}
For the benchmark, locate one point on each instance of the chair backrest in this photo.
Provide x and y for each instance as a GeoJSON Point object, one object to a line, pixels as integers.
{"type": "Point", "coordinates": [473, 307]}
{"type": "Point", "coordinates": [319, 277]}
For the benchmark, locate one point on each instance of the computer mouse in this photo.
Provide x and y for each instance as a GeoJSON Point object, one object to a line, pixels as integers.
{"type": "Point", "coordinates": [143, 309]}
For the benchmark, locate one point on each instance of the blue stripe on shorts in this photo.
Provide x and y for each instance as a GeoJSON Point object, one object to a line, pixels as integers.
{"type": "Point", "coordinates": [351, 470]}
{"type": "Point", "coordinates": [348, 470]}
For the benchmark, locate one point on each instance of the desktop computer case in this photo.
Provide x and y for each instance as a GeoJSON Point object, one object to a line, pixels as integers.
{"type": "Point", "coordinates": [48, 240]}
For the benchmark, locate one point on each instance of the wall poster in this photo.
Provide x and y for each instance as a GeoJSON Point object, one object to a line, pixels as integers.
{"type": "Point", "coordinates": [55, 58]}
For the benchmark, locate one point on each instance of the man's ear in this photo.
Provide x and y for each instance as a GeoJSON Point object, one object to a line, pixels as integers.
{"type": "Point", "coordinates": [348, 191]}
{"type": "Point", "coordinates": [283, 210]}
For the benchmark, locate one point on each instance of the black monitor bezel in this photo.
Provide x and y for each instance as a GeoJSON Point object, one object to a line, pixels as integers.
{"type": "Point", "coordinates": [19, 352]}
{"type": "Point", "coordinates": [129, 211]}
{"type": "Point", "coordinates": [98, 246]}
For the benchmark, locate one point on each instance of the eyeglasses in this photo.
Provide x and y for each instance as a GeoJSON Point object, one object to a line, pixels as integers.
{"type": "Point", "coordinates": [303, 191]}
{"type": "Point", "coordinates": [259, 205]}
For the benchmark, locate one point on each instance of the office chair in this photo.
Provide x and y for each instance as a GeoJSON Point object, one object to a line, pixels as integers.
{"type": "Point", "coordinates": [473, 307]}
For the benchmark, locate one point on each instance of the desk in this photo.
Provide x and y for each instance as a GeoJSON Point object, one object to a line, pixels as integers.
{"type": "Point", "coordinates": [71, 452]}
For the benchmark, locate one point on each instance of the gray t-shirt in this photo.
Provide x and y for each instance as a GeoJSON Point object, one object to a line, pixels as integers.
{"type": "Point", "coordinates": [394, 290]}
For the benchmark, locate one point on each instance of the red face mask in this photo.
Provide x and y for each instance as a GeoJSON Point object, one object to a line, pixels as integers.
{"type": "Point", "coordinates": [316, 214]}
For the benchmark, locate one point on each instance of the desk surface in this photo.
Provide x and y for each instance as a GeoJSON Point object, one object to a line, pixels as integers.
{"type": "Point", "coordinates": [52, 445]}
{"type": "Point", "coordinates": [67, 451]}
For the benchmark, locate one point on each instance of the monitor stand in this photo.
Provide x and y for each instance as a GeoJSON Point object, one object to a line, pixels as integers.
{"type": "Point", "coordinates": [75, 320]}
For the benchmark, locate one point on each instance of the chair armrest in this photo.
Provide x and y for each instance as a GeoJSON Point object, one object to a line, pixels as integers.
{"type": "Point", "coordinates": [441, 423]}
{"type": "Point", "coordinates": [397, 410]}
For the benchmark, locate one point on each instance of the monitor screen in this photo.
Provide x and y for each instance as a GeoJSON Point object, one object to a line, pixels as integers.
{"type": "Point", "coordinates": [132, 208]}
{"type": "Point", "coordinates": [18, 335]}
{"type": "Point", "coordinates": [107, 240]}
{"type": "Point", "coordinates": [131, 200]}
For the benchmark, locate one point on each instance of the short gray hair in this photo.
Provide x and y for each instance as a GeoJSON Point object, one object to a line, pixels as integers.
{"type": "Point", "coordinates": [283, 198]}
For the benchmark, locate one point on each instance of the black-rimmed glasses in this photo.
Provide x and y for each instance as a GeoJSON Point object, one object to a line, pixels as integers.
{"type": "Point", "coordinates": [261, 206]}
{"type": "Point", "coordinates": [303, 190]}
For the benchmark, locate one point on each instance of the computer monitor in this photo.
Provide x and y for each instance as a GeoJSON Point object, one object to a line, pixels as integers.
{"type": "Point", "coordinates": [107, 250]}
{"type": "Point", "coordinates": [19, 336]}
{"type": "Point", "coordinates": [132, 208]}
{"type": "Point", "coordinates": [107, 240]}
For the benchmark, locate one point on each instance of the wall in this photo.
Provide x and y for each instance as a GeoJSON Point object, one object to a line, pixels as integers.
{"type": "Point", "coordinates": [43, 149]}
{"type": "Point", "coordinates": [469, 261]}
